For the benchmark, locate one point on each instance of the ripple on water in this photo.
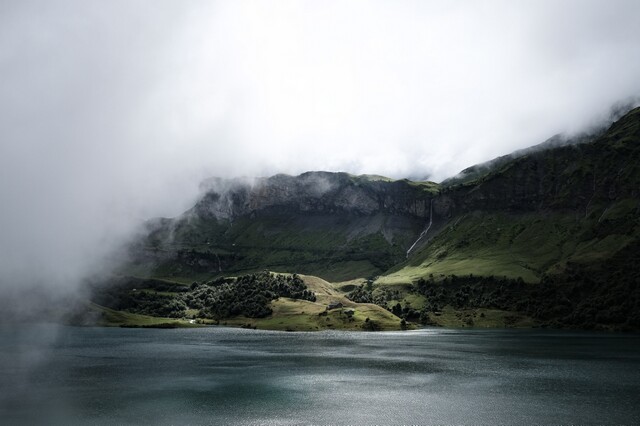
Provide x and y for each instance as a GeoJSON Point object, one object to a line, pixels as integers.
{"type": "Point", "coordinates": [231, 376]}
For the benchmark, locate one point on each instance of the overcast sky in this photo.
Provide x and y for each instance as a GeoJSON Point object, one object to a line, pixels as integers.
{"type": "Point", "coordinates": [113, 111]}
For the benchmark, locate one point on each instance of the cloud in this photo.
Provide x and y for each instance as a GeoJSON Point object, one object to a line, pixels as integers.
{"type": "Point", "coordinates": [112, 112]}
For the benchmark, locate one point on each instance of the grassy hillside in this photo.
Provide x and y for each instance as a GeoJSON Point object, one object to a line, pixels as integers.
{"type": "Point", "coordinates": [335, 247]}
{"type": "Point", "coordinates": [302, 315]}
{"type": "Point", "coordinates": [565, 220]}
{"type": "Point", "coordinates": [534, 214]}
{"type": "Point", "coordinates": [302, 303]}
{"type": "Point", "coordinates": [526, 246]}
{"type": "Point", "coordinates": [548, 236]}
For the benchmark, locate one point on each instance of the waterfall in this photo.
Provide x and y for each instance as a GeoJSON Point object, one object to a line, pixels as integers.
{"type": "Point", "coordinates": [423, 233]}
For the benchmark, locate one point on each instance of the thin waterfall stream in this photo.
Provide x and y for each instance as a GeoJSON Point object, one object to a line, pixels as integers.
{"type": "Point", "coordinates": [423, 233]}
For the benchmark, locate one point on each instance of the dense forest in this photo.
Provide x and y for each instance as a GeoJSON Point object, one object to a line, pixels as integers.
{"type": "Point", "coordinates": [575, 300]}
{"type": "Point", "coordinates": [246, 295]}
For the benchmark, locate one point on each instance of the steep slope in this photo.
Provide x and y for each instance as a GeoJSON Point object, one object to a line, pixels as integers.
{"type": "Point", "coordinates": [538, 212]}
{"type": "Point", "coordinates": [565, 220]}
{"type": "Point", "coordinates": [333, 225]}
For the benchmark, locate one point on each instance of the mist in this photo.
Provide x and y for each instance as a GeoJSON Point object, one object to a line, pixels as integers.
{"type": "Point", "coordinates": [114, 112]}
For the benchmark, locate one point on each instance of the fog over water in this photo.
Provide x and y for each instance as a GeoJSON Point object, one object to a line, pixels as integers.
{"type": "Point", "coordinates": [113, 112]}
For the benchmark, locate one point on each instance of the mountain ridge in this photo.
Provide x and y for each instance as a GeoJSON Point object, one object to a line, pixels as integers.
{"type": "Point", "coordinates": [548, 215]}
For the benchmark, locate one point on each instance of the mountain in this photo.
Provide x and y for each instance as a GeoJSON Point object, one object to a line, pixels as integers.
{"type": "Point", "coordinates": [539, 211]}
{"type": "Point", "coordinates": [333, 225]}
{"type": "Point", "coordinates": [554, 228]}
{"type": "Point", "coordinates": [564, 220]}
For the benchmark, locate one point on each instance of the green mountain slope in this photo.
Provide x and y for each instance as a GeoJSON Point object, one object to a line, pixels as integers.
{"type": "Point", "coordinates": [332, 225]}
{"type": "Point", "coordinates": [549, 235]}
{"type": "Point", "coordinates": [539, 212]}
{"type": "Point", "coordinates": [564, 220]}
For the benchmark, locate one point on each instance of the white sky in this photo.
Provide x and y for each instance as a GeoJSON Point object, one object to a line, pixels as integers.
{"type": "Point", "coordinates": [113, 111]}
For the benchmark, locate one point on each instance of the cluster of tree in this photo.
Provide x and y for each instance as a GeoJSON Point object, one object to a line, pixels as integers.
{"type": "Point", "coordinates": [361, 294]}
{"type": "Point", "coordinates": [248, 295]}
{"type": "Point", "coordinates": [370, 325]}
{"type": "Point", "coordinates": [409, 313]}
{"type": "Point", "coordinates": [469, 291]}
{"type": "Point", "coordinates": [147, 302]}
{"type": "Point", "coordinates": [380, 296]}
{"type": "Point", "coordinates": [578, 298]}
{"type": "Point", "coordinates": [602, 297]}
{"type": "Point", "coordinates": [147, 297]}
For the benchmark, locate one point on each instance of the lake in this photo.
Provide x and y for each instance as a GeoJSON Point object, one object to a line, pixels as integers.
{"type": "Point", "coordinates": [219, 376]}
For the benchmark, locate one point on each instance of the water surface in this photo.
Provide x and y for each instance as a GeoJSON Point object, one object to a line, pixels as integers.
{"type": "Point", "coordinates": [104, 376]}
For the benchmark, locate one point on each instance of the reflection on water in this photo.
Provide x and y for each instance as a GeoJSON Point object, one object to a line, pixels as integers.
{"type": "Point", "coordinates": [65, 375]}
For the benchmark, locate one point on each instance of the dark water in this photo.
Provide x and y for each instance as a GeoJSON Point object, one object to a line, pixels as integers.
{"type": "Point", "coordinates": [63, 375]}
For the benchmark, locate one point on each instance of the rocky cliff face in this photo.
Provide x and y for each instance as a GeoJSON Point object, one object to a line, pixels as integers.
{"type": "Point", "coordinates": [334, 225]}
{"type": "Point", "coordinates": [315, 192]}
{"type": "Point", "coordinates": [556, 176]}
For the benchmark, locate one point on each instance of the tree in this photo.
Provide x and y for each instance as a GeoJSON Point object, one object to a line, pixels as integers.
{"type": "Point", "coordinates": [397, 310]}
